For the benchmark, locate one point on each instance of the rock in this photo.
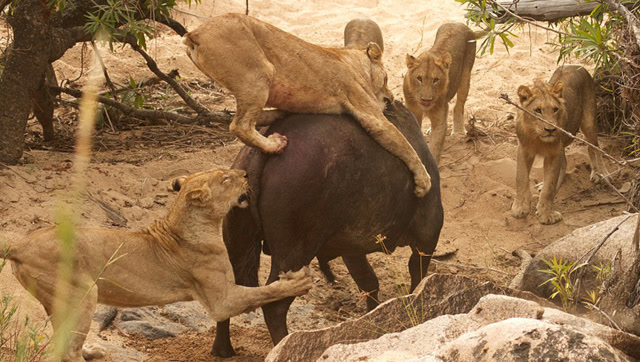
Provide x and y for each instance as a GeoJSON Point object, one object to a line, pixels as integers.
{"type": "Point", "coordinates": [616, 251]}
{"type": "Point", "coordinates": [436, 295]}
{"type": "Point", "coordinates": [520, 339]}
{"type": "Point", "coordinates": [146, 202]}
{"type": "Point", "coordinates": [498, 328]}
{"type": "Point", "coordinates": [146, 322]}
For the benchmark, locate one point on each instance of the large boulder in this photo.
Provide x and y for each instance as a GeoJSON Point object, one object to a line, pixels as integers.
{"type": "Point", "coordinates": [436, 295]}
{"type": "Point", "coordinates": [617, 251]}
{"type": "Point", "coordinates": [498, 328]}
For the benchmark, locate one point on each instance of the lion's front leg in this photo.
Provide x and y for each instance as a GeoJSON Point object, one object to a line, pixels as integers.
{"type": "Point", "coordinates": [552, 167]}
{"type": "Point", "coordinates": [230, 300]}
{"type": "Point", "coordinates": [522, 205]}
{"type": "Point", "coordinates": [438, 119]}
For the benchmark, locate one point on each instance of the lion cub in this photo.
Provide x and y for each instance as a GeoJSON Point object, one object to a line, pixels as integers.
{"type": "Point", "coordinates": [180, 257]}
{"type": "Point", "coordinates": [568, 100]}
{"type": "Point", "coordinates": [264, 66]}
{"type": "Point", "coordinates": [435, 76]}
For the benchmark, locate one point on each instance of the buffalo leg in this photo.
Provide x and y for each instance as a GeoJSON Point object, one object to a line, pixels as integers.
{"type": "Point", "coordinates": [275, 316]}
{"type": "Point", "coordinates": [418, 265]}
{"type": "Point", "coordinates": [364, 276]}
{"type": "Point", "coordinates": [242, 238]}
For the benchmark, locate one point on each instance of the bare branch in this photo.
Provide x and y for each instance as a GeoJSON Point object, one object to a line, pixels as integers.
{"type": "Point", "coordinates": [210, 117]}
{"type": "Point", "coordinates": [153, 66]}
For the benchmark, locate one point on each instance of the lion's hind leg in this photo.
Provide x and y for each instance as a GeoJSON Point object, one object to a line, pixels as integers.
{"type": "Point", "coordinates": [249, 109]}
{"type": "Point", "coordinates": [589, 129]}
{"type": "Point", "coordinates": [463, 90]}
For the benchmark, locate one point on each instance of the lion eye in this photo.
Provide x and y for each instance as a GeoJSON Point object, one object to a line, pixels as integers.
{"type": "Point", "coordinates": [419, 78]}
{"type": "Point", "coordinates": [555, 110]}
{"type": "Point", "coordinates": [226, 179]}
{"type": "Point", "coordinates": [436, 80]}
{"type": "Point", "coordinates": [538, 110]}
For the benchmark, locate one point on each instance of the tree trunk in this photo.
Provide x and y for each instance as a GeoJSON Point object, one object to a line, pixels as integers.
{"type": "Point", "coordinates": [23, 73]}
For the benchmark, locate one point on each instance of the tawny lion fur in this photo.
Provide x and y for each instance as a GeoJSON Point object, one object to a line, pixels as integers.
{"type": "Point", "coordinates": [568, 101]}
{"type": "Point", "coordinates": [438, 74]}
{"type": "Point", "coordinates": [264, 66]}
{"type": "Point", "coordinates": [178, 258]}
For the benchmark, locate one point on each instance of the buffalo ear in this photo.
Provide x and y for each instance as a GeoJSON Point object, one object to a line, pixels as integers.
{"type": "Point", "coordinates": [445, 60]}
{"type": "Point", "coordinates": [411, 61]}
{"type": "Point", "coordinates": [374, 52]}
{"type": "Point", "coordinates": [524, 94]}
{"type": "Point", "coordinates": [199, 197]}
{"type": "Point", "coordinates": [556, 89]}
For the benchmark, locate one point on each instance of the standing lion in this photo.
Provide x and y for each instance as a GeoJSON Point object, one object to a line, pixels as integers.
{"type": "Point", "coordinates": [568, 101]}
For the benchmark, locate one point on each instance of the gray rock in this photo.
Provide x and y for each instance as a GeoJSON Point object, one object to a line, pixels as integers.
{"type": "Point", "coordinates": [498, 328]}
{"type": "Point", "coordinates": [437, 294]}
{"type": "Point", "coordinates": [147, 322]}
{"type": "Point", "coordinates": [616, 251]}
{"type": "Point", "coordinates": [520, 339]}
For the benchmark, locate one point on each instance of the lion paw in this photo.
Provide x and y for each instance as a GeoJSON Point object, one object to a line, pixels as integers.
{"type": "Point", "coordinates": [549, 217]}
{"type": "Point", "coordinates": [299, 282]}
{"type": "Point", "coordinates": [597, 177]}
{"type": "Point", "coordinates": [93, 351]}
{"type": "Point", "coordinates": [422, 186]}
{"type": "Point", "coordinates": [520, 209]}
{"type": "Point", "coordinates": [278, 143]}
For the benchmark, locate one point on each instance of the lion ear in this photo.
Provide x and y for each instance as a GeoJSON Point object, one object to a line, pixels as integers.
{"type": "Point", "coordinates": [199, 197]}
{"type": "Point", "coordinates": [411, 61]}
{"type": "Point", "coordinates": [556, 89]}
{"type": "Point", "coordinates": [176, 184]}
{"type": "Point", "coordinates": [445, 60]}
{"type": "Point", "coordinates": [524, 93]}
{"type": "Point", "coordinates": [374, 52]}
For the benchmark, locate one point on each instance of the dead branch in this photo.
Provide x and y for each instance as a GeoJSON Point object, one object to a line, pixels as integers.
{"type": "Point", "coordinates": [112, 214]}
{"type": "Point", "coordinates": [544, 10]}
{"type": "Point", "coordinates": [527, 21]}
{"type": "Point", "coordinates": [209, 117]}
{"type": "Point", "coordinates": [146, 82]}
{"type": "Point", "coordinates": [153, 66]}
{"type": "Point", "coordinates": [631, 19]}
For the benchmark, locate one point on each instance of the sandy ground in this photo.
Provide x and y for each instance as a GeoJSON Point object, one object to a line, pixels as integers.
{"type": "Point", "coordinates": [478, 175]}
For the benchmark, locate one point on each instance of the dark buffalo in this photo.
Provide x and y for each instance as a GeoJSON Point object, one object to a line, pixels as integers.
{"type": "Point", "coordinates": [328, 195]}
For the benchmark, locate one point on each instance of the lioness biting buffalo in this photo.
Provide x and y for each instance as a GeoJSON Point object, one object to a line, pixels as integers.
{"type": "Point", "coordinates": [264, 66]}
{"type": "Point", "coordinates": [180, 257]}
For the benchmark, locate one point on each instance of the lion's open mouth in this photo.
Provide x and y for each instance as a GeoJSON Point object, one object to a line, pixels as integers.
{"type": "Point", "coordinates": [243, 200]}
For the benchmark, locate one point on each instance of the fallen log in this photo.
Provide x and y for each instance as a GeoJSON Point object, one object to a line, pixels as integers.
{"type": "Point", "coordinates": [545, 10]}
